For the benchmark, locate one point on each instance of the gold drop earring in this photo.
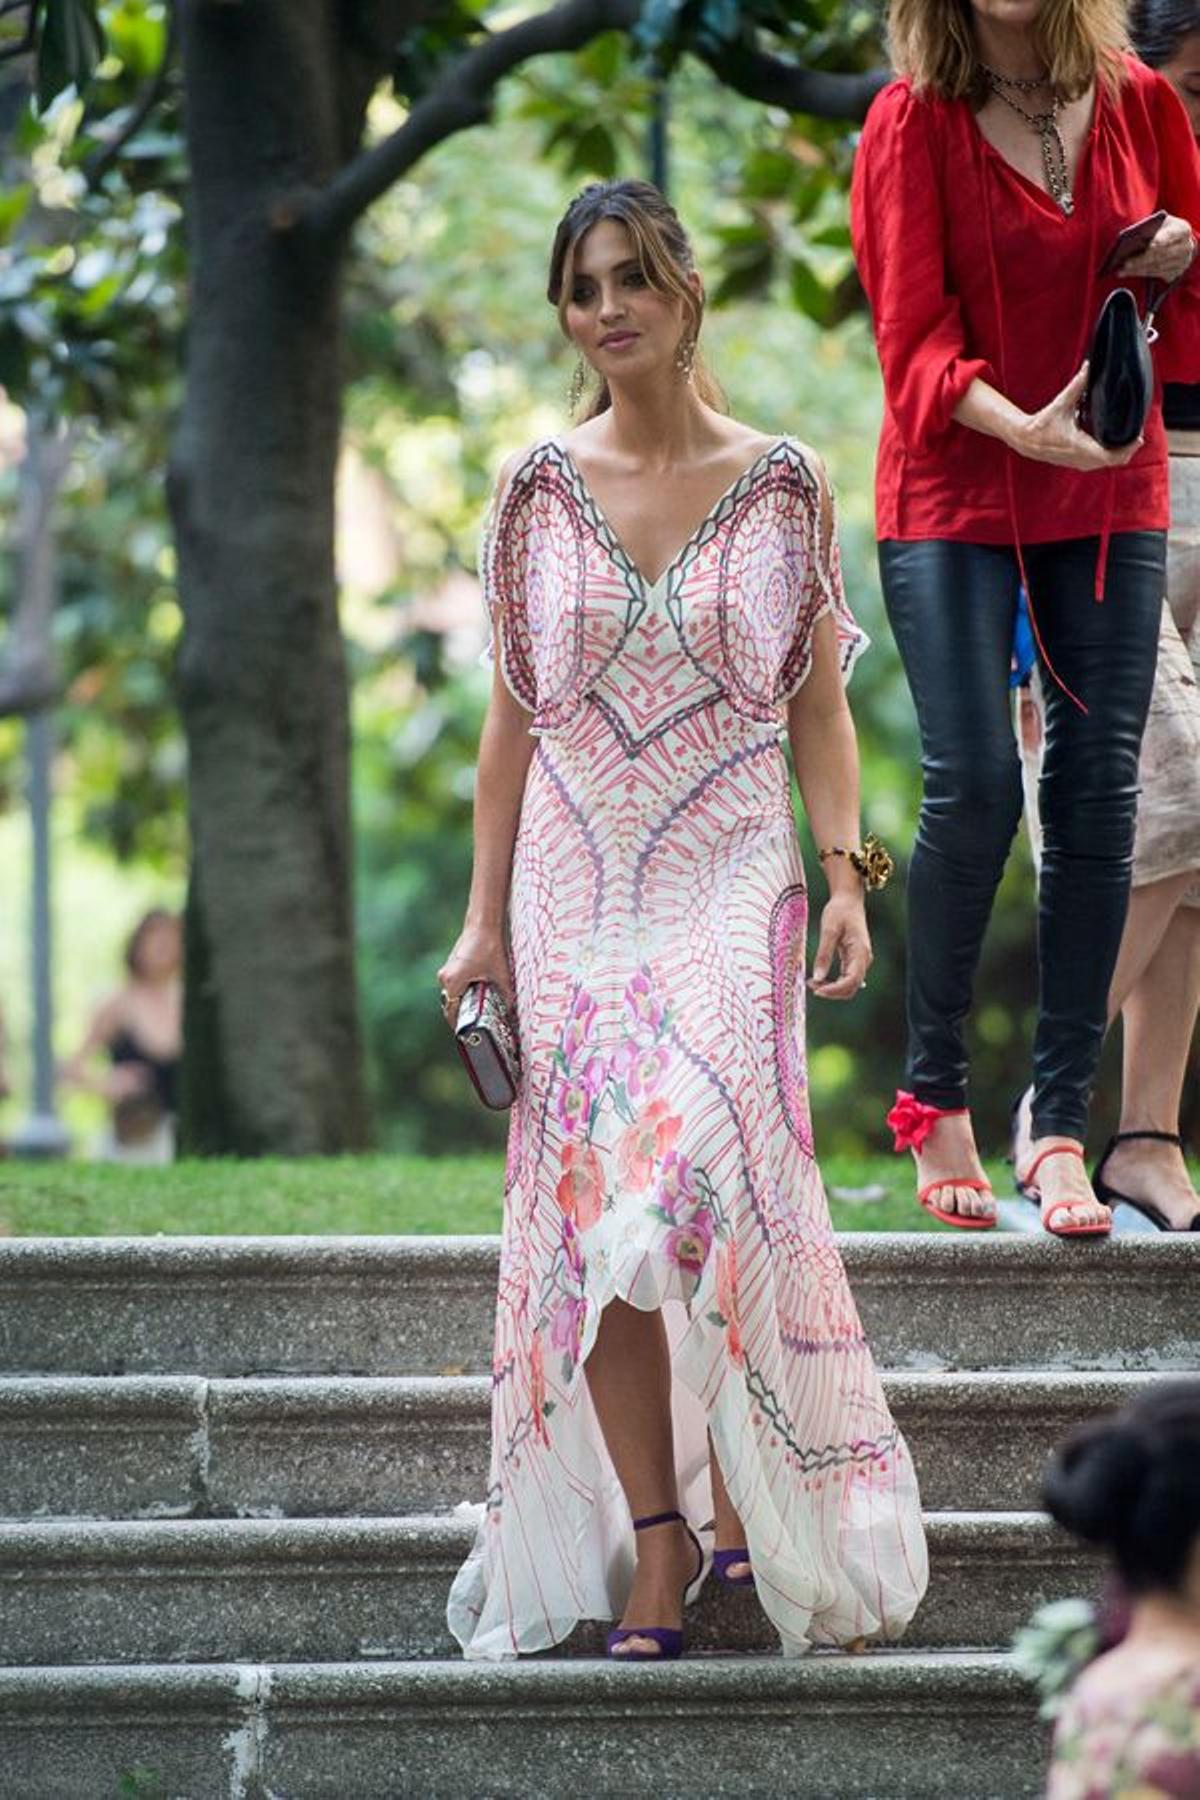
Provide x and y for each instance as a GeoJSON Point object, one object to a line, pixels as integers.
{"type": "Point", "coordinates": [685, 355]}
{"type": "Point", "coordinates": [578, 383]}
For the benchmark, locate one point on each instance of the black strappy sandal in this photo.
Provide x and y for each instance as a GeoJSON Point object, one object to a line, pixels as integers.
{"type": "Point", "coordinates": [1113, 1196]}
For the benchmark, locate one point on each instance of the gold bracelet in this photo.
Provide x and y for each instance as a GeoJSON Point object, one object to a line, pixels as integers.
{"type": "Point", "coordinates": [873, 862]}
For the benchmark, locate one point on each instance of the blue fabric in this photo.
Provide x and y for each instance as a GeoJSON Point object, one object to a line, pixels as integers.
{"type": "Point", "coordinates": [1024, 650]}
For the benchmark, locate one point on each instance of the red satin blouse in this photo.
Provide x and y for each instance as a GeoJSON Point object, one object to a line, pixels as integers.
{"type": "Point", "coordinates": [971, 270]}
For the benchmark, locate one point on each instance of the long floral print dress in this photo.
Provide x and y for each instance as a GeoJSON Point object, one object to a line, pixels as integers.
{"type": "Point", "coordinates": [660, 1149]}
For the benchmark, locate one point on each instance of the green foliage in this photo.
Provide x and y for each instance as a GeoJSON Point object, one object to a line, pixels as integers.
{"type": "Point", "coordinates": [445, 31]}
{"type": "Point", "coordinates": [115, 633]}
{"type": "Point", "coordinates": [91, 298]}
{"type": "Point", "coordinates": [840, 34]}
{"type": "Point", "coordinates": [592, 108]}
{"type": "Point", "coordinates": [412, 834]}
{"type": "Point", "coordinates": [70, 44]}
{"type": "Point", "coordinates": [91, 269]}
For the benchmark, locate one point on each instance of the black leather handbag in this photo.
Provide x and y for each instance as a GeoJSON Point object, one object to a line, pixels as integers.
{"type": "Point", "coordinates": [1120, 383]}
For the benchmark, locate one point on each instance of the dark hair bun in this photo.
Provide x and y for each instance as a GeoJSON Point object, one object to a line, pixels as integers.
{"type": "Point", "coordinates": [1131, 1482]}
{"type": "Point", "coordinates": [1093, 1482]}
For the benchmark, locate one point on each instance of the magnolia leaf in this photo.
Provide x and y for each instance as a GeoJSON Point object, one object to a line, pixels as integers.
{"type": "Point", "coordinates": [834, 236]}
{"type": "Point", "coordinates": [13, 206]}
{"type": "Point", "coordinates": [72, 43]}
{"type": "Point", "coordinates": [810, 293]}
{"type": "Point", "coordinates": [594, 152]}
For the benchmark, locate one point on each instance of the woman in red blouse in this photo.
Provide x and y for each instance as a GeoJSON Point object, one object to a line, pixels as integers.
{"type": "Point", "coordinates": [991, 181]}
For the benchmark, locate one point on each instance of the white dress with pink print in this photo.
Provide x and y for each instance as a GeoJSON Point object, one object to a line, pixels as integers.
{"type": "Point", "coordinates": [660, 1148]}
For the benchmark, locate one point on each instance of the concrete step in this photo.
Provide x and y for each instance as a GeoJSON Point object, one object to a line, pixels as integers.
{"type": "Point", "coordinates": [352, 1590]}
{"type": "Point", "coordinates": [148, 1447]}
{"type": "Point", "coordinates": [893, 1726]}
{"type": "Point", "coordinates": [400, 1306]}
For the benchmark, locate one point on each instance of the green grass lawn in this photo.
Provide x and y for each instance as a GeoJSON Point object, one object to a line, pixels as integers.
{"type": "Point", "coordinates": [367, 1194]}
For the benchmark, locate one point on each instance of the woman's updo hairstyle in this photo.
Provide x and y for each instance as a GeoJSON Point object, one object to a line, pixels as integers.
{"type": "Point", "coordinates": [1131, 1483]}
{"type": "Point", "coordinates": [1158, 27]}
{"type": "Point", "coordinates": [663, 249]}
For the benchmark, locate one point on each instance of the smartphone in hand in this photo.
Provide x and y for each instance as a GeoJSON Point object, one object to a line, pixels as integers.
{"type": "Point", "coordinates": [1131, 242]}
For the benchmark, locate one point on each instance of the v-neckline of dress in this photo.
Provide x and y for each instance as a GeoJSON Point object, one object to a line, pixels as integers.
{"type": "Point", "coordinates": [613, 543]}
{"type": "Point", "coordinates": [1033, 189]}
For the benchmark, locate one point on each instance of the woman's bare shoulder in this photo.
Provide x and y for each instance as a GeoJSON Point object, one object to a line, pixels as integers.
{"type": "Point", "coordinates": [520, 461]}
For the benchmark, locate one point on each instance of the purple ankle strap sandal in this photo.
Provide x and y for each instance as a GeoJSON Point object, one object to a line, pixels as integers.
{"type": "Point", "coordinates": [724, 1560]}
{"type": "Point", "coordinates": [668, 1639]}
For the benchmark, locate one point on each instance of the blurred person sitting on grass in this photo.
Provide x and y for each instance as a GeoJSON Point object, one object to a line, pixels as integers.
{"type": "Point", "coordinates": [1130, 1483]}
{"type": "Point", "coordinates": [139, 1028]}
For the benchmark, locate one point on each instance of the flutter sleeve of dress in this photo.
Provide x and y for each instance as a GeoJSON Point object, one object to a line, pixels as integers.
{"type": "Point", "coordinates": [504, 575]}
{"type": "Point", "coordinates": [821, 589]}
{"type": "Point", "coordinates": [898, 231]}
{"type": "Point", "coordinates": [1178, 355]}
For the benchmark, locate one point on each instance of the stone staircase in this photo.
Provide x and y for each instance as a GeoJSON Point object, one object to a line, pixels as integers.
{"type": "Point", "coordinates": [227, 1475]}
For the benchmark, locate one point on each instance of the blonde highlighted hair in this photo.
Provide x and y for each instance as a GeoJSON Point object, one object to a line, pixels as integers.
{"type": "Point", "coordinates": [663, 250]}
{"type": "Point", "coordinates": [932, 42]}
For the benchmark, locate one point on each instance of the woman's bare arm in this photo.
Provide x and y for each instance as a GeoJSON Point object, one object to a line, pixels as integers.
{"type": "Point", "coordinates": [825, 753]}
{"type": "Point", "coordinates": [505, 752]}
{"type": "Point", "coordinates": [80, 1071]}
{"type": "Point", "coordinates": [1050, 436]}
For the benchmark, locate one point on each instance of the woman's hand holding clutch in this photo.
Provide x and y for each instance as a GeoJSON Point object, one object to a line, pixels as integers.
{"type": "Point", "coordinates": [479, 955]}
{"type": "Point", "coordinates": [1054, 435]}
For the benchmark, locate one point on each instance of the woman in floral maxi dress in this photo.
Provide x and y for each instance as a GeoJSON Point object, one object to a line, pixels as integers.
{"type": "Point", "coordinates": [674, 1328]}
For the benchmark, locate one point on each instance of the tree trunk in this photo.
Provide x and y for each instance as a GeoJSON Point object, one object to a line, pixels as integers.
{"type": "Point", "coordinates": [273, 1060]}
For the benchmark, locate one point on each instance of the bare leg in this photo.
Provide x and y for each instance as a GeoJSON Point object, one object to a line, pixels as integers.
{"type": "Point", "coordinates": [629, 1378]}
{"type": "Point", "coordinates": [1159, 1016]}
{"type": "Point", "coordinates": [1156, 984]}
{"type": "Point", "coordinates": [729, 1534]}
{"type": "Point", "coordinates": [1151, 911]}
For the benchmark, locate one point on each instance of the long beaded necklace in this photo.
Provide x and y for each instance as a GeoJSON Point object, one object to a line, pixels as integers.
{"type": "Point", "coordinates": [1054, 151]}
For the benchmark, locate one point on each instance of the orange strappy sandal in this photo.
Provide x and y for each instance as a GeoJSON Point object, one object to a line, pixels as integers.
{"type": "Point", "coordinates": [1028, 1189]}
{"type": "Point", "coordinates": [911, 1121]}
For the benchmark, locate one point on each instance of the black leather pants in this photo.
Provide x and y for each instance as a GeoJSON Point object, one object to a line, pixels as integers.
{"type": "Point", "coordinates": [951, 607]}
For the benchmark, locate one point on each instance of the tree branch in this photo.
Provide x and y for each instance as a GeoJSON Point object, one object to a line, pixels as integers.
{"type": "Point", "coordinates": [462, 98]}
{"type": "Point", "coordinates": [97, 166]}
{"type": "Point", "coordinates": [777, 81]}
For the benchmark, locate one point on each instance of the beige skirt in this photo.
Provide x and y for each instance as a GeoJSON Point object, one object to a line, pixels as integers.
{"type": "Point", "coordinates": [1168, 825]}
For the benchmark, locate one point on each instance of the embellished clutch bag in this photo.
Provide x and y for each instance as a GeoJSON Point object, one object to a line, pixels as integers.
{"type": "Point", "coordinates": [486, 1036]}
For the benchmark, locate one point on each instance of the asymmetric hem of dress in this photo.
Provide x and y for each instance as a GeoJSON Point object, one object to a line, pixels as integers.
{"type": "Point", "coordinates": [660, 1149]}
